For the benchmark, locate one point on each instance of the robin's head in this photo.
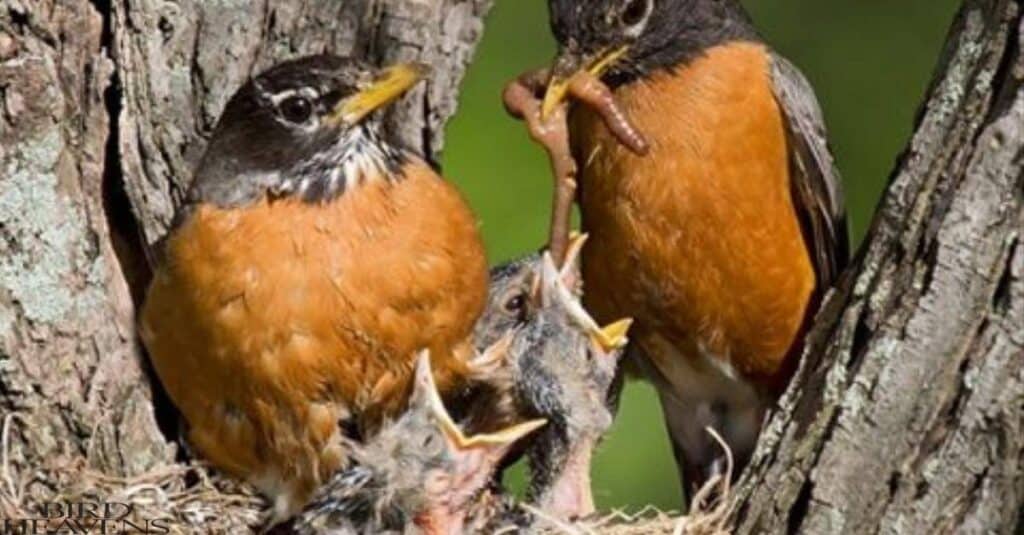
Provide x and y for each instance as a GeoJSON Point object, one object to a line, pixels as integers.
{"type": "Point", "coordinates": [621, 40]}
{"type": "Point", "coordinates": [306, 128]}
{"type": "Point", "coordinates": [510, 297]}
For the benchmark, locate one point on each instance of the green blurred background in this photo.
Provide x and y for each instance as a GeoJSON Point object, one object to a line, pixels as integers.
{"type": "Point", "coordinates": [870, 61]}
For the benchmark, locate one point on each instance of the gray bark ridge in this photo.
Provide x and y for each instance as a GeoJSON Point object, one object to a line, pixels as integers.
{"type": "Point", "coordinates": [69, 365]}
{"type": "Point", "coordinates": [907, 415]}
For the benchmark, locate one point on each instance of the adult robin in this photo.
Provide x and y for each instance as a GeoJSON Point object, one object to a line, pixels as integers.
{"type": "Point", "coordinates": [311, 261]}
{"type": "Point", "coordinates": [722, 238]}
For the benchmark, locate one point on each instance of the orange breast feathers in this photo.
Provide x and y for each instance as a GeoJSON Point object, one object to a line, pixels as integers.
{"type": "Point", "coordinates": [700, 239]}
{"type": "Point", "coordinates": [270, 323]}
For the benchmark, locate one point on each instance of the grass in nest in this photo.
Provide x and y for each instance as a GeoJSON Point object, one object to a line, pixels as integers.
{"type": "Point", "coordinates": [196, 499]}
{"type": "Point", "coordinates": [188, 498]}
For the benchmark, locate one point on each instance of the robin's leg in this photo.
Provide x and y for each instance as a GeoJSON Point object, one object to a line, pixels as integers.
{"type": "Point", "coordinates": [698, 455]}
{"type": "Point", "coordinates": [699, 392]}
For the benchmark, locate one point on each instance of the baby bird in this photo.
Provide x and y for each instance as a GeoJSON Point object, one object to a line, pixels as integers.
{"type": "Point", "coordinates": [559, 366]}
{"type": "Point", "coordinates": [420, 474]}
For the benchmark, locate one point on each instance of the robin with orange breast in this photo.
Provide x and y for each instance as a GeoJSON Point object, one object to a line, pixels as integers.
{"type": "Point", "coordinates": [312, 260]}
{"type": "Point", "coordinates": [722, 234]}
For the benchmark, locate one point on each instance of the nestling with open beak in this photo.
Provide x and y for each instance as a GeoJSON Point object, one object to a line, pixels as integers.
{"type": "Point", "coordinates": [722, 238]}
{"type": "Point", "coordinates": [420, 474]}
{"type": "Point", "coordinates": [560, 366]}
{"type": "Point", "coordinates": [312, 259]}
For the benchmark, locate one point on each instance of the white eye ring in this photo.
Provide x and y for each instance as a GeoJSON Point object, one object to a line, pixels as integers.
{"type": "Point", "coordinates": [638, 22]}
{"type": "Point", "coordinates": [309, 94]}
{"type": "Point", "coordinates": [281, 96]}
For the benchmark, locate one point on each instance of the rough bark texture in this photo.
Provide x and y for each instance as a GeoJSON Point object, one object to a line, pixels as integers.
{"type": "Point", "coordinates": [70, 378]}
{"type": "Point", "coordinates": [104, 109]}
{"type": "Point", "coordinates": [908, 415]}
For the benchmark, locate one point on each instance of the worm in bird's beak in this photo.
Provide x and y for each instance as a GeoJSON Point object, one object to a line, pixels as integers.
{"type": "Point", "coordinates": [388, 85]}
{"type": "Point", "coordinates": [568, 65]}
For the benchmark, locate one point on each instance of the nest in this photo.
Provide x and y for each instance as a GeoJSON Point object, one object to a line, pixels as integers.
{"type": "Point", "coordinates": [187, 498]}
{"type": "Point", "coordinates": [709, 513]}
{"type": "Point", "coordinates": [194, 498]}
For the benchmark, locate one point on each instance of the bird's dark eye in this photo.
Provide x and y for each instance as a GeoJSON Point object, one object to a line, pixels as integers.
{"type": "Point", "coordinates": [296, 109]}
{"type": "Point", "coordinates": [635, 12]}
{"type": "Point", "coordinates": [515, 304]}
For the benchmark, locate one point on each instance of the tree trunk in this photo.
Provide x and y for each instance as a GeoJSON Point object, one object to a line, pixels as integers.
{"type": "Point", "coordinates": [104, 109]}
{"type": "Point", "coordinates": [908, 413]}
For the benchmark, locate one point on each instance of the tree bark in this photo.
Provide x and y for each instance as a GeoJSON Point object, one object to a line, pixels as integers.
{"type": "Point", "coordinates": [907, 414]}
{"type": "Point", "coordinates": [104, 109]}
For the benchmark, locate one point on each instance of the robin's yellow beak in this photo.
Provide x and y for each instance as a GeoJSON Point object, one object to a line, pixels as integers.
{"type": "Point", "coordinates": [389, 84]}
{"type": "Point", "coordinates": [568, 65]}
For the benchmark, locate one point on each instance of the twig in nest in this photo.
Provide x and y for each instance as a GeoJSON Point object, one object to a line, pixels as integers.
{"type": "Point", "coordinates": [5, 460]}
{"type": "Point", "coordinates": [710, 518]}
{"type": "Point", "coordinates": [563, 527]}
{"type": "Point", "coordinates": [522, 100]}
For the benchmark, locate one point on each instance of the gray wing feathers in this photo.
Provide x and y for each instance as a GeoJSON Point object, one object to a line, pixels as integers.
{"type": "Point", "coordinates": [817, 187]}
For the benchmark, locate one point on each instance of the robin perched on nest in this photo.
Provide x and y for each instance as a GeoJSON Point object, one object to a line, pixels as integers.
{"type": "Point", "coordinates": [716, 221]}
{"type": "Point", "coordinates": [312, 259]}
{"type": "Point", "coordinates": [420, 470]}
{"type": "Point", "coordinates": [559, 366]}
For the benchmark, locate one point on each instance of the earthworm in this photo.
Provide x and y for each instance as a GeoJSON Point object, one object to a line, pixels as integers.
{"type": "Point", "coordinates": [553, 134]}
{"type": "Point", "coordinates": [522, 100]}
{"type": "Point", "coordinates": [595, 94]}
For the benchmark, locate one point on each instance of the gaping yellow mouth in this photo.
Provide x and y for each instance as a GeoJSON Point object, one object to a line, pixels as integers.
{"type": "Point", "coordinates": [451, 430]}
{"type": "Point", "coordinates": [609, 338]}
{"type": "Point", "coordinates": [391, 84]}
{"type": "Point", "coordinates": [566, 69]}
